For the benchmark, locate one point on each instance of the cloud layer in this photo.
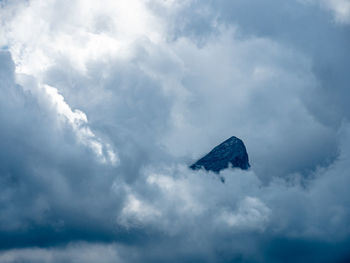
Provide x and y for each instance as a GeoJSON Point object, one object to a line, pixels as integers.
{"type": "Point", "coordinates": [105, 104]}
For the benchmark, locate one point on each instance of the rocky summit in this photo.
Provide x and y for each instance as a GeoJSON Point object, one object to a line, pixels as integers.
{"type": "Point", "coordinates": [232, 151]}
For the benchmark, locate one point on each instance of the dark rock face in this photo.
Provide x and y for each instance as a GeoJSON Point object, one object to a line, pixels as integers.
{"type": "Point", "coordinates": [230, 151]}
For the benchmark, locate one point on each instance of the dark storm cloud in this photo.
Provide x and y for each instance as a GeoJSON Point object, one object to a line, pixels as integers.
{"type": "Point", "coordinates": [159, 93]}
{"type": "Point", "coordinates": [49, 182]}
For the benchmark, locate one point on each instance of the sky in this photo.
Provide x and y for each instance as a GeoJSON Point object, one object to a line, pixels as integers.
{"type": "Point", "coordinates": [105, 104]}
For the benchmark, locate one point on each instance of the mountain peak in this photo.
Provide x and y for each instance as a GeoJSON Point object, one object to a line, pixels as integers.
{"type": "Point", "coordinates": [232, 151]}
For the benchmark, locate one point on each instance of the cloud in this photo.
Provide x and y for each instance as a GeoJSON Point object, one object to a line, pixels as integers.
{"type": "Point", "coordinates": [340, 8]}
{"type": "Point", "coordinates": [105, 104]}
{"type": "Point", "coordinates": [73, 253]}
{"type": "Point", "coordinates": [306, 28]}
{"type": "Point", "coordinates": [45, 167]}
{"type": "Point", "coordinates": [251, 213]}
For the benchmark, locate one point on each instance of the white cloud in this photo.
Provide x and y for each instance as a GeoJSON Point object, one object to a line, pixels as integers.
{"type": "Point", "coordinates": [251, 214]}
{"type": "Point", "coordinates": [79, 30]}
{"type": "Point", "coordinates": [74, 253]}
{"type": "Point", "coordinates": [340, 8]}
{"type": "Point", "coordinates": [79, 122]}
{"type": "Point", "coordinates": [138, 213]}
